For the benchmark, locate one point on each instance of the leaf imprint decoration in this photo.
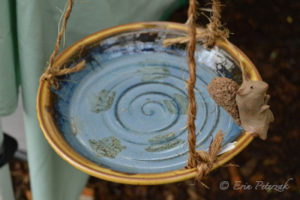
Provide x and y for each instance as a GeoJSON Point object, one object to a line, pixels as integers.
{"type": "Point", "coordinates": [108, 147]}
{"type": "Point", "coordinates": [102, 101]}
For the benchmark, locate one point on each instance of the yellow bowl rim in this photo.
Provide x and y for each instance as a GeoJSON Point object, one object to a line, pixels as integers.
{"type": "Point", "coordinates": [57, 142]}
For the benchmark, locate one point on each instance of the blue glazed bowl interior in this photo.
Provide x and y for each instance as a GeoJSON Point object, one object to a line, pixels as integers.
{"type": "Point", "coordinates": [127, 109]}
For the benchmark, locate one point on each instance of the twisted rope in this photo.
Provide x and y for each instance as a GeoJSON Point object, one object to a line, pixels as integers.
{"type": "Point", "coordinates": [201, 160]}
{"type": "Point", "coordinates": [209, 35]}
{"type": "Point", "coordinates": [54, 70]}
{"type": "Point", "coordinates": [192, 108]}
{"type": "Point", "coordinates": [214, 28]}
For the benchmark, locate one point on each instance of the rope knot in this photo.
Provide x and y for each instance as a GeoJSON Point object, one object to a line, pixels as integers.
{"type": "Point", "coordinates": [215, 33]}
{"type": "Point", "coordinates": [203, 161]}
{"type": "Point", "coordinates": [49, 75]}
{"type": "Point", "coordinates": [52, 72]}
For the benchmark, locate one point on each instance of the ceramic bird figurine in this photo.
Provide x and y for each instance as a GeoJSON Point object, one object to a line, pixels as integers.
{"type": "Point", "coordinates": [223, 92]}
{"type": "Point", "coordinates": [252, 100]}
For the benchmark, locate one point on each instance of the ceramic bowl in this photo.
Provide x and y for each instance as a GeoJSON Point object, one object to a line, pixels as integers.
{"type": "Point", "coordinates": [123, 117]}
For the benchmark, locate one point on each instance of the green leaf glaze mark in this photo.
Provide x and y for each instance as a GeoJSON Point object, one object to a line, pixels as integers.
{"type": "Point", "coordinates": [153, 73]}
{"type": "Point", "coordinates": [76, 125]}
{"type": "Point", "coordinates": [182, 102]}
{"type": "Point", "coordinates": [170, 106]}
{"type": "Point", "coordinates": [102, 101]}
{"type": "Point", "coordinates": [108, 147]}
{"type": "Point", "coordinates": [162, 138]}
{"type": "Point", "coordinates": [162, 147]}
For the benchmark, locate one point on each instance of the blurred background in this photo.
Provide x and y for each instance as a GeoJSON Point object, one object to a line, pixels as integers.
{"type": "Point", "coordinates": [268, 32]}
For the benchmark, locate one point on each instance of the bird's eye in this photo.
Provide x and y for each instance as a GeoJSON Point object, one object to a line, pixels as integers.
{"type": "Point", "coordinates": [251, 87]}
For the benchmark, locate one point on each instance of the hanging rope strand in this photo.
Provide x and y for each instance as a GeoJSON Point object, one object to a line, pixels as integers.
{"type": "Point", "coordinates": [192, 108]}
{"type": "Point", "coordinates": [201, 160]}
{"type": "Point", "coordinates": [61, 33]}
{"type": "Point", "coordinates": [215, 28]}
{"type": "Point", "coordinates": [209, 35]}
{"type": "Point", "coordinates": [53, 70]}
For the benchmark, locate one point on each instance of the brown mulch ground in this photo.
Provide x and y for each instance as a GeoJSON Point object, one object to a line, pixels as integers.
{"type": "Point", "coordinates": [268, 32]}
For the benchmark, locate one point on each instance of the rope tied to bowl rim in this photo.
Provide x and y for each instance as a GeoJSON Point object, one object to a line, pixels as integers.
{"type": "Point", "coordinates": [53, 70]}
{"type": "Point", "coordinates": [213, 31]}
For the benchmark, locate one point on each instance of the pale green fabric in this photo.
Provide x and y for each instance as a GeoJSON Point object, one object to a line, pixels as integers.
{"type": "Point", "coordinates": [8, 86]}
{"type": "Point", "coordinates": [34, 24]}
{"type": "Point", "coordinates": [6, 191]}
